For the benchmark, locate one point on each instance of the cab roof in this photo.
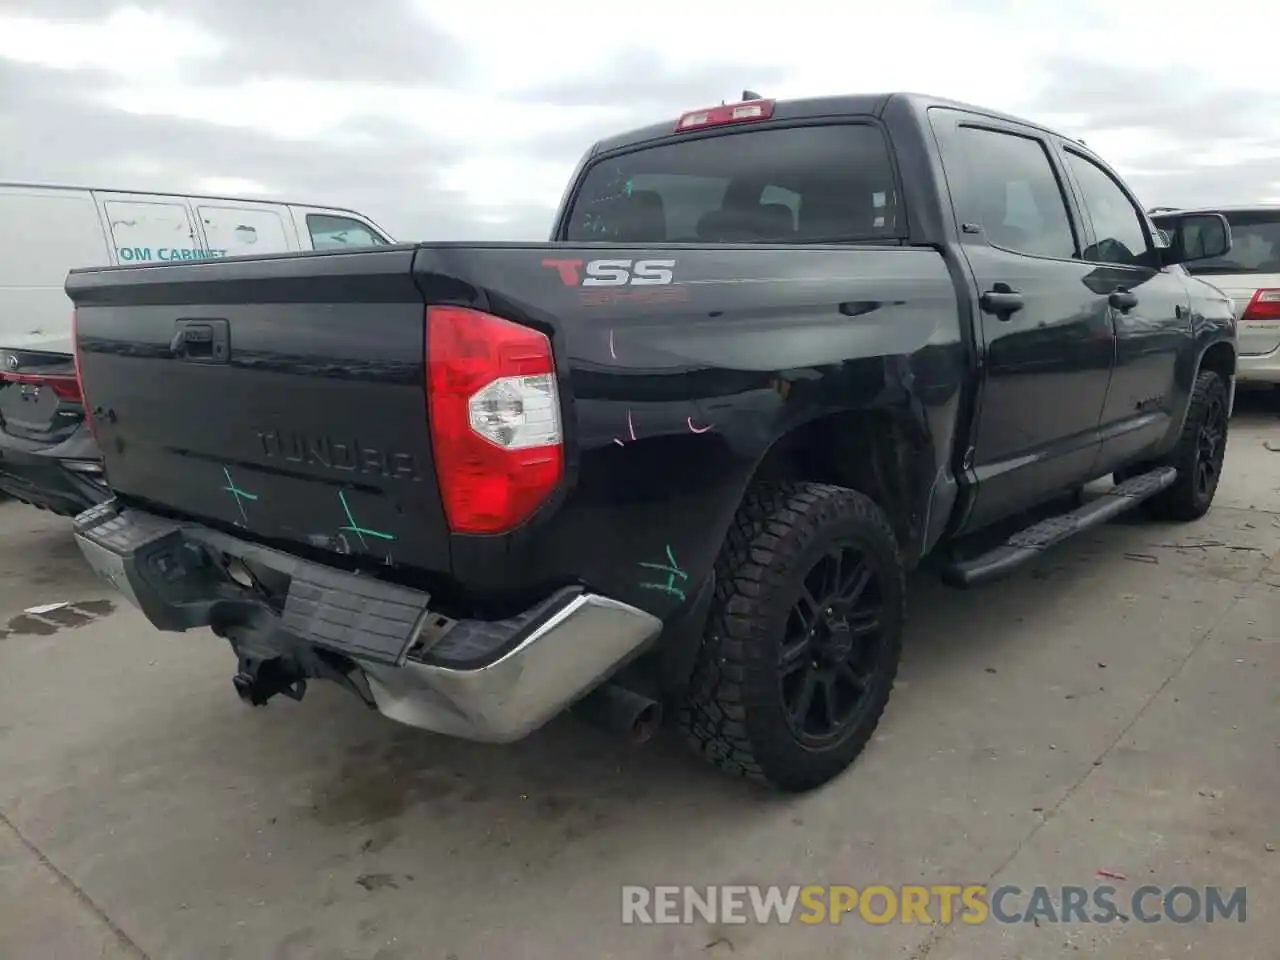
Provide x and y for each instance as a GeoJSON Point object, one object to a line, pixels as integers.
{"type": "Point", "coordinates": [863, 104]}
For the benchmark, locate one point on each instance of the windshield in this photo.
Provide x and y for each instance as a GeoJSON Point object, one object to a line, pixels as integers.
{"type": "Point", "coordinates": [799, 185]}
{"type": "Point", "coordinates": [1255, 245]}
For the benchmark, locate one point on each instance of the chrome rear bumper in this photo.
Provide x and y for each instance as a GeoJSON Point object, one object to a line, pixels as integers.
{"type": "Point", "coordinates": [493, 681]}
{"type": "Point", "coordinates": [564, 657]}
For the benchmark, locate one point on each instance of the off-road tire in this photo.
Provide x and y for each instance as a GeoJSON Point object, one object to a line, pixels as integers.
{"type": "Point", "coordinates": [733, 713]}
{"type": "Point", "coordinates": [1184, 501]}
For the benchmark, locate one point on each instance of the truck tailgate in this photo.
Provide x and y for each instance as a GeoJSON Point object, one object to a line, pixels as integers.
{"type": "Point", "coordinates": [283, 397]}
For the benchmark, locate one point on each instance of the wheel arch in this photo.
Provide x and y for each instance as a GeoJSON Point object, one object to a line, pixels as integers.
{"type": "Point", "coordinates": [1220, 357]}
{"type": "Point", "coordinates": [884, 453]}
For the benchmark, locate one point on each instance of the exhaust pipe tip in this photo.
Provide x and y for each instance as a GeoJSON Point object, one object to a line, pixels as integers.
{"type": "Point", "coordinates": [616, 709]}
{"type": "Point", "coordinates": [646, 723]}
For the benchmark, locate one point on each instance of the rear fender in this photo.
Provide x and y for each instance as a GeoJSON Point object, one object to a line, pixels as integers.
{"type": "Point", "coordinates": [715, 368]}
{"type": "Point", "coordinates": [886, 453]}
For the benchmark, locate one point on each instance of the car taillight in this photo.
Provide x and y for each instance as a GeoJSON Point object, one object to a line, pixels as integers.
{"type": "Point", "coordinates": [494, 413]}
{"type": "Point", "coordinates": [75, 338]}
{"type": "Point", "coordinates": [726, 114]}
{"type": "Point", "coordinates": [75, 352]}
{"type": "Point", "coordinates": [1265, 305]}
{"type": "Point", "coordinates": [65, 386]}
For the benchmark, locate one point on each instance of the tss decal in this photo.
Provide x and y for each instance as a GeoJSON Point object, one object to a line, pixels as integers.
{"type": "Point", "coordinates": [613, 273]}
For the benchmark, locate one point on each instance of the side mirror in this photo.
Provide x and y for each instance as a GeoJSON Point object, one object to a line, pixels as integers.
{"type": "Point", "coordinates": [1194, 236]}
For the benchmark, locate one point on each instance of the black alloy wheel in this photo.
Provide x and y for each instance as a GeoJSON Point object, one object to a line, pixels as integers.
{"type": "Point", "coordinates": [834, 637]}
{"type": "Point", "coordinates": [1199, 454]}
{"type": "Point", "coordinates": [1211, 446]}
{"type": "Point", "coordinates": [803, 638]}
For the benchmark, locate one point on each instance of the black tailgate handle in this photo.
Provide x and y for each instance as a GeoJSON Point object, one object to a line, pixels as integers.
{"type": "Point", "coordinates": [201, 341]}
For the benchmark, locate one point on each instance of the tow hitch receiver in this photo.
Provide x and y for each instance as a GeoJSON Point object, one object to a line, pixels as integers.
{"type": "Point", "coordinates": [260, 680]}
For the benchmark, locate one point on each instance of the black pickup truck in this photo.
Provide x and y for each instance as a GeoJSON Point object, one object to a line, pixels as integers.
{"type": "Point", "coordinates": [775, 355]}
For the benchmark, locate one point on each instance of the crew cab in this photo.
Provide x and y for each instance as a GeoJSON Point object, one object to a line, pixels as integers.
{"type": "Point", "coordinates": [775, 355]}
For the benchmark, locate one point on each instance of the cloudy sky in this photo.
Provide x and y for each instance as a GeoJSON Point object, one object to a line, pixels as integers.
{"type": "Point", "coordinates": [462, 120]}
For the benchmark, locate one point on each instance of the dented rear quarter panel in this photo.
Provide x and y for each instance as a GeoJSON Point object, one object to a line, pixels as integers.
{"type": "Point", "coordinates": [674, 392]}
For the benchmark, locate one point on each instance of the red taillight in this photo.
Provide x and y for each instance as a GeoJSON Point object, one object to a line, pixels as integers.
{"type": "Point", "coordinates": [75, 338]}
{"type": "Point", "coordinates": [75, 352]}
{"type": "Point", "coordinates": [65, 386]}
{"type": "Point", "coordinates": [726, 114]}
{"type": "Point", "coordinates": [1265, 305]}
{"type": "Point", "coordinates": [494, 413]}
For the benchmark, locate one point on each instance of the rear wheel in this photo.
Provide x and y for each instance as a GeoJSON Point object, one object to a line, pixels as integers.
{"type": "Point", "coordinates": [803, 639]}
{"type": "Point", "coordinates": [1199, 454]}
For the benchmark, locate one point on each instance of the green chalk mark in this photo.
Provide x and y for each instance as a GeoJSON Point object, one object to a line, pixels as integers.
{"type": "Point", "coordinates": [673, 572]}
{"type": "Point", "coordinates": [358, 530]}
{"type": "Point", "coordinates": [240, 496]}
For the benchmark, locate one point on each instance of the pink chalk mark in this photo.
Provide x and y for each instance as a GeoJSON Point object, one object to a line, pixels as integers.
{"type": "Point", "coordinates": [611, 351]}
{"type": "Point", "coordinates": [1111, 875]}
{"type": "Point", "coordinates": [693, 429]}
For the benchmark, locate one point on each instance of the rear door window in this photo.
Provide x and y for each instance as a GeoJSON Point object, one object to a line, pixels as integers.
{"type": "Point", "coordinates": [1255, 245]}
{"type": "Point", "coordinates": [1007, 185]}
{"type": "Point", "coordinates": [809, 184]}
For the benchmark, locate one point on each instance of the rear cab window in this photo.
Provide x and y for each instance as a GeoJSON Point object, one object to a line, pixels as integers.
{"type": "Point", "coordinates": [802, 184]}
{"type": "Point", "coordinates": [1255, 245]}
